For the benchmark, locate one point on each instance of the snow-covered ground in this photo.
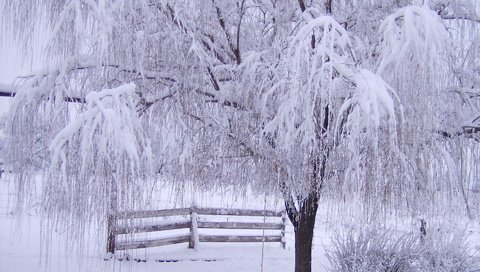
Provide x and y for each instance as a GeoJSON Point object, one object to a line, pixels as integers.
{"type": "Point", "coordinates": [20, 248]}
{"type": "Point", "coordinates": [21, 243]}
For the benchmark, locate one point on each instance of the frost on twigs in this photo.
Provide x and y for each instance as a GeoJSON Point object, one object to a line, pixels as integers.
{"type": "Point", "coordinates": [415, 50]}
{"type": "Point", "coordinates": [416, 60]}
{"type": "Point", "coordinates": [374, 249]}
{"type": "Point", "coordinates": [99, 160]}
{"type": "Point", "coordinates": [36, 112]}
{"type": "Point", "coordinates": [307, 84]}
{"type": "Point", "coordinates": [324, 107]}
{"type": "Point", "coordinates": [367, 143]}
{"type": "Point", "coordinates": [412, 34]}
{"type": "Point", "coordinates": [455, 9]}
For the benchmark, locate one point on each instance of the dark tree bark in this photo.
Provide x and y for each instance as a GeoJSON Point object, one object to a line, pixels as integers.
{"type": "Point", "coordinates": [301, 3]}
{"type": "Point", "coordinates": [303, 228]}
{"type": "Point", "coordinates": [328, 6]}
{"type": "Point", "coordinates": [303, 219]}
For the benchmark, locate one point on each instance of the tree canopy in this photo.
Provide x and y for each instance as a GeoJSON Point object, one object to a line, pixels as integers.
{"type": "Point", "coordinates": [370, 100]}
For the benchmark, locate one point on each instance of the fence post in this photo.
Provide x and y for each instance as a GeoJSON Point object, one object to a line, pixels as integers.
{"type": "Point", "coordinates": [112, 216]}
{"type": "Point", "coordinates": [194, 239]}
{"type": "Point", "coordinates": [111, 226]}
{"type": "Point", "coordinates": [284, 223]}
{"type": "Point", "coordinates": [423, 230]}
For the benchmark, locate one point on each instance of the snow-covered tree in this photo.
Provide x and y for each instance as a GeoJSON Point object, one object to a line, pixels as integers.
{"type": "Point", "coordinates": [375, 100]}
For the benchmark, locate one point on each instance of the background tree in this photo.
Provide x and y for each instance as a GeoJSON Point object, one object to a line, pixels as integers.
{"type": "Point", "coordinates": [373, 100]}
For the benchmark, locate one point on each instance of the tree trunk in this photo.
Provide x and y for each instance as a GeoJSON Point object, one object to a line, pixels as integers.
{"type": "Point", "coordinates": [303, 223]}
{"type": "Point", "coordinates": [303, 244]}
{"type": "Point", "coordinates": [328, 6]}
{"type": "Point", "coordinates": [303, 217]}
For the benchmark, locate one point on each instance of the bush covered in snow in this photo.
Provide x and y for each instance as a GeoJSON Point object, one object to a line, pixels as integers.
{"type": "Point", "coordinates": [385, 250]}
{"type": "Point", "coordinates": [448, 251]}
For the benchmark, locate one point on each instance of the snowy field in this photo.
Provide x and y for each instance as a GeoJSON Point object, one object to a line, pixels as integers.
{"type": "Point", "coordinates": [20, 249]}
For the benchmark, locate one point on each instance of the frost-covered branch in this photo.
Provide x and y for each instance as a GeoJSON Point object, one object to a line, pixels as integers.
{"type": "Point", "coordinates": [101, 156]}
{"type": "Point", "coordinates": [456, 10]}
{"type": "Point", "coordinates": [453, 17]}
{"type": "Point", "coordinates": [412, 30]}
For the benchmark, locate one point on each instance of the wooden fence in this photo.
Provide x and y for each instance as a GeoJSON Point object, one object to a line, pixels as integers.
{"type": "Point", "coordinates": [193, 223]}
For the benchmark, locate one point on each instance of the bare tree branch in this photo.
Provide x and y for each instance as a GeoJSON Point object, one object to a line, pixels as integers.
{"type": "Point", "coordinates": [464, 17]}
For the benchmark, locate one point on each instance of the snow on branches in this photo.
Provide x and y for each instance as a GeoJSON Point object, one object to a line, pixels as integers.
{"type": "Point", "coordinates": [110, 113]}
{"type": "Point", "coordinates": [323, 104]}
{"type": "Point", "coordinates": [99, 159]}
{"type": "Point", "coordinates": [317, 54]}
{"type": "Point", "coordinates": [416, 60]}
{"type": "Point", "coordinates": [372, 107]}
{"type": "Point", "coordinates": [412, 32]}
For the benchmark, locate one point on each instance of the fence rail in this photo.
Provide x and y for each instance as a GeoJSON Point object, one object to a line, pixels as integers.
{"type": "Point", "coordinates": [153, 243]}
{"type": "Point", "coordinates": [152, 228]}
{"type": "Point", "coordinates": [239, 225]}
{"type": "Point", "coordinates": [193, 223]}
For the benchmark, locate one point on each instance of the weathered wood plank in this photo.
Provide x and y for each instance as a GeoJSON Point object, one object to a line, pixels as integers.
{"type": "Point", "coordinates": [151, 228]}
{"type": "Point", "coordinates": [203, 211]}
{"type": "Point", "coordinates": [239, 225]}
{"type": "Point", "coordinates": [236, 238]}
{"type": "Point", "coordinates": [239, 212]}
{"type": "Point", "coordinates": [156, 213]}
{"type": "Point", "coordinates": [153, 243]}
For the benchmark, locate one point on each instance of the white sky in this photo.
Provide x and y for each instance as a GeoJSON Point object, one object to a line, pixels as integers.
{"type": "Point", "coordinates": [14, 61]}
{"type": "Point", "coordinates": [8, 68]}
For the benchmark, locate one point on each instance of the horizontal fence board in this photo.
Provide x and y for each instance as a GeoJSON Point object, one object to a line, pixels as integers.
{"type": "Point", "coordinates": [152, 243]}
{"type": "Point", "coordinates": [202, 211]}
{"type": "Point", "coordinates": [151, 228]}
{"type": "Point", "coordinates": [236, 238]}
{"type": "Point", "coordinates": [239, 225]}
{"type": "Point", "coordinates": [239, 212]}
{"type": "Point", "coordinates": [156, 213]}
